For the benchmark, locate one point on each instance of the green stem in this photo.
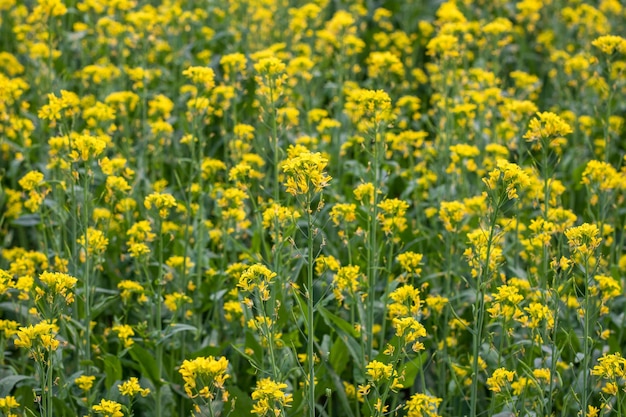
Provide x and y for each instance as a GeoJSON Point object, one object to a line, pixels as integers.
{"type": "Point", "coordinates": [479, 313]}
{"type": "Point", "coordinates": [310, 309]}
{"type": "Point", "coordinates": [586, 350]}
{"type": "Point", "coordinates": [159, 325]}
{"type": "Point", "coordinates": [372, 251]}
{"type": "Point", "coordinates": [87, 271]}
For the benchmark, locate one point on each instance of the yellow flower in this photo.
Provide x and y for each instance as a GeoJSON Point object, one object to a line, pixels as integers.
{"type": "Point", "coordinates": [131, 388]}
{"type": "Point", "coordinates": [162, 202]}
{"type": "Point", "coordinates": [411, 262]}
{"type": "Point", "coordinates": [108, 409]}
{"type": "Point", "coordinates": [175, 301]}
{"type": "Point", "coordinates": [510, 175]}
{"type": "Point", "coordinates": [583, 239]}
{"type": "Point", "coordinates": [422, 405]}
{"type": "Point", "coordinates": [499, 379]}
{"type": "Point", "coordinates": [124, 332]}
{"type": "Point", "coordinates": [202, 375]}
{"type": "Point", "coordinates": [31, 180]}
{"type": "Point", "coordinates": [59, 284]}
{"type": "Point", "coordinates": [269, 397]}
{"type": "Point", "coordinates": [201, 75]}
{"type": "Point", "coordinates": [610, 366]}
{"type": "Point", "coordinates": [609, 44]}
{"type": "Point", "coordinates": [85, 382]}
{"type": "Point", "coordinates": [7, 403]}
{"type": "Point", "coordinates": [38, 335]}
{"type": "Point", "coordinates": [547, 125]}
{"type": "Point", "coordinates": [304, 173]}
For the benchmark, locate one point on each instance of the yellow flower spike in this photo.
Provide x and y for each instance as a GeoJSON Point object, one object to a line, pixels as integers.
{"type": "Point", "coordinates": [108, 408]}
{"type": "Point", "coordinates": [422, 405]}
{"type": "Point", "coordinates": [305, 173]}
{"type": "Point", "coordinates": [546, 125]}
{"type": "Point", "coordinates": [131, 388]}
{"type": "Point", "coordinates": [59, 284]}
{"type": "Point", "coordinates": [162, 202]}
{"type": "Point", "coordinates": [269, 397]}
{"type": "Point", "coordinates": [609, 44]}
{"type": "Point", "coordinates": [85, 382]}
{"type": "Point", "coordinates": [499, 379]}
{"type": "Point", "coordinates": [204, 76]}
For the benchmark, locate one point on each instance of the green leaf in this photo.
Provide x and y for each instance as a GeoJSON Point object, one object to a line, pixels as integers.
{"type": "Point", "coordinates": [27, 220]}
{"type": "Point", "coordinates": [346, 332]}
{"type": "Point", "coordinates": [411, 369]}
{"type": "Point", "coordinates": [173, 329]}
{"type": "Point", "coordinates": [8, 383]}
{"type": "Point", "coordinates": [338, 357]}
{"type": "Point", "coordinates": [243, 403]}
{"type": "Point", "coordinates": [112, 369]}
{"type": "Point", "coordinates": [147, 363]}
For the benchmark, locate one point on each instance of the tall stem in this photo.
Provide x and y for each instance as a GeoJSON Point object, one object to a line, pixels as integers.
{"type": "Point", "coordinates": [159, 325]}
{"type": "Point", "coordinates": [310, 309]}
{"type": "Point", "coordinates": [479, 313]}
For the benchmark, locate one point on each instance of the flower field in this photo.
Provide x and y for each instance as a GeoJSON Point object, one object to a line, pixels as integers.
{"type": "Point", "coordinates": [326, 208]}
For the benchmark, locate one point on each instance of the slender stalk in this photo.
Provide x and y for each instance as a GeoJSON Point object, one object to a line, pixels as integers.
{"type": "Point", "coordinates": [586, 345]}
{"type": "Point", "coordinates": [310, 309]}
{"type": "Point", "coordinates": [87, 271]}
{"type": "Point", "coordinates": [479, 313]}
{"type": "Point", "coordinates": [372, 250]}
{"type": "Point", "coordinates": [159, 325]}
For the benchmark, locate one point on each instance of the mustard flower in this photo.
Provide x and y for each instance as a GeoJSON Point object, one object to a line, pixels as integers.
{"type": "Point", "coordinates": [6, 404]}
{"type": "Point", "coordinates": [546, 125]}
{"type": "Point", "coordinates": [305, 173]}
{"type": "Point", "coordinates": [583, 239]}
{"type": "Point", "coordinates": [499, 379]}
{"type": "Point", "coordinates": [422, 405]}
{"type": "Point", "coordinates": [444, 45]}
{"type": "Point", "coordinates": [57, 283]}
{"type": "Point", "coordinates": [602, 176]}
{"type": "Point", "coordinates": [204, 76]}
{"type": "Point", "coordinates": [270, 398]}
{"type": "Point", "coordinates": [365, 193]}
{"type": "Point", "coordinates": [405, 301]}
{"type": "Point", "coordinates": [348, 279]}
{"type": "Point", "coordinates": [131, 388]}
{"type": "Point", "coordinates": [392, 217]}
{"type": "Point", "coordinates": [410, 330]}
{"type": "Point", "coordinates": [86, 147]}
{"type": "Point", "coordinates": [31, 180]}
{"type": "Point", "coordinates": [609, 44]}
{"type": "Point", "coordinates": [411, 262]}
{"type": "Point", "coordinates": [258, 277]}
{"type": "Point", "coordinates": [537, 314]}
{"type": "Point", "coordinates": [108, 409]}
{"type": "Point", "coordinates": [8, 328]}
{"type": "Point", "coordinates": [343, 213]}
{"type": "Point", "coordinates": [371, 107]}
{"type": "Point", "coordinates": [270, 77]}
{"type": "Point", "coordinates": [124, 333]}
{"type": "Point", "coordinates": [40, 335]}
{"type": "Point", "coordinates": [173, 302]}
{"type": "Point", "coordinates": [141, 231]}
{"type": "Point", "coordinates": [510, 175]}
{"type": "Point", "coordinates": [160, 201]}
{"type": "Point", "coordinates": [233, 64]}
{"type": "Point", "coordinates": [128, 288]}
{"type": "Point", "coordinates": [451, 214]}
{"type": "Point", "coordinates": [85, 382]}
{"type": "Point", "coordinates": [95, 241]}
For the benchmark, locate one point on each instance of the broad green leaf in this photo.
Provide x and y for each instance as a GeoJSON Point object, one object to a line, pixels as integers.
{"type": "Point", "coordinates": [112, 369]}
{"type": "Point", "coordinates": [147, 362]}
